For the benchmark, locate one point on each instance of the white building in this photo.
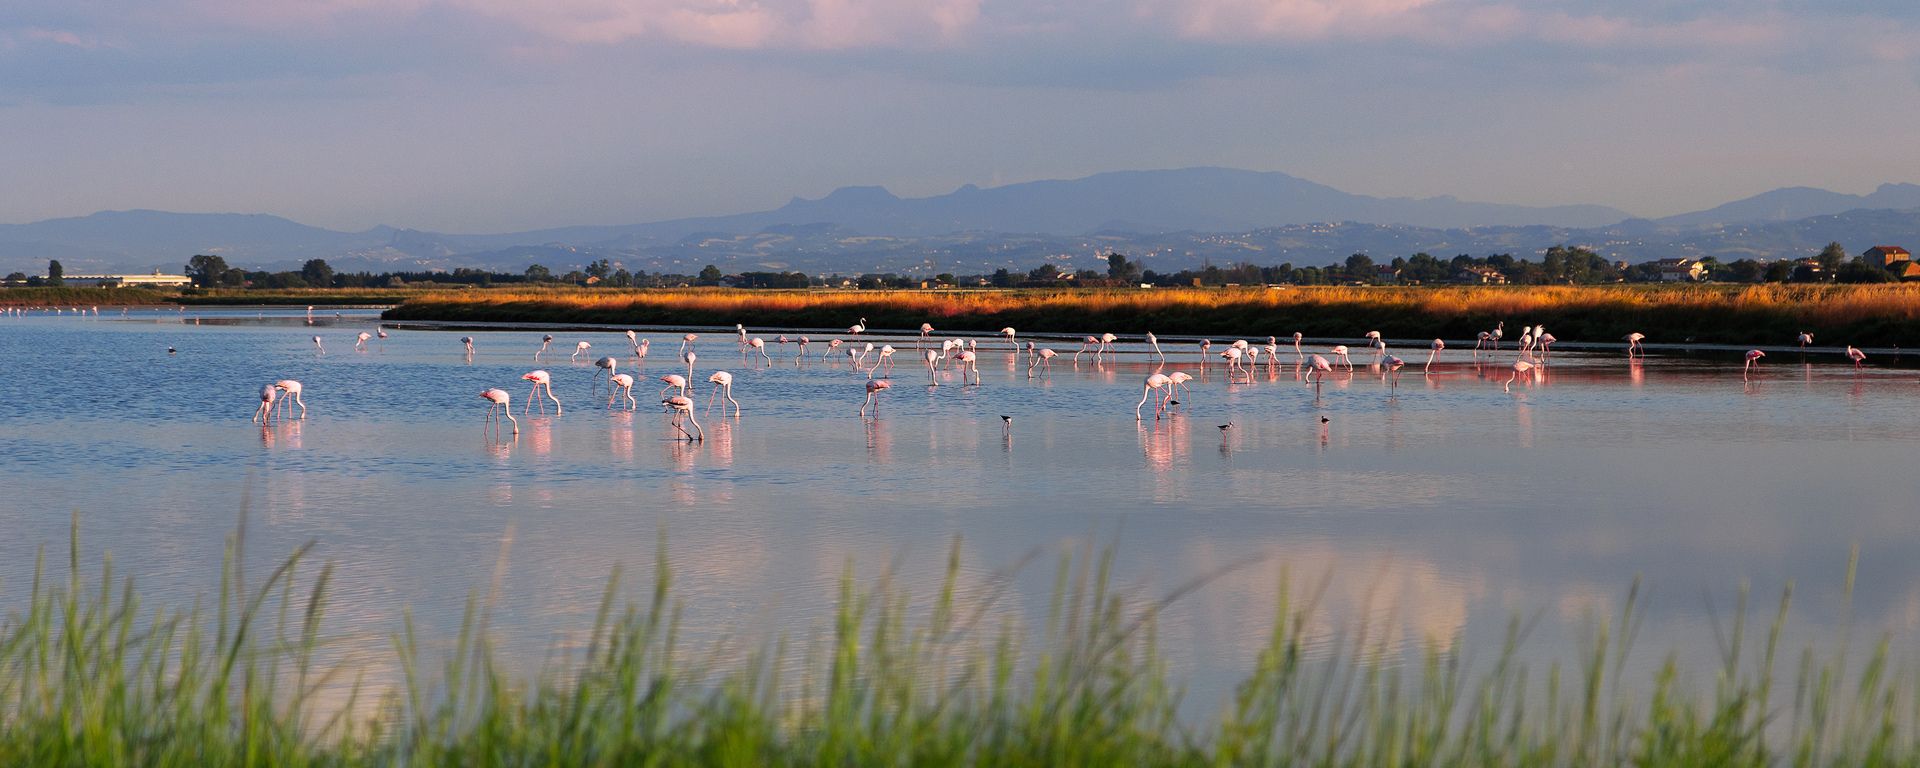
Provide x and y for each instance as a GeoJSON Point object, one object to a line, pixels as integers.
{"type": "Point", "coordinates": [155, 280]}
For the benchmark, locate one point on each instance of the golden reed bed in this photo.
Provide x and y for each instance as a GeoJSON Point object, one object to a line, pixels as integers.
{"type": "Point", "coordinates": [1878, 315]}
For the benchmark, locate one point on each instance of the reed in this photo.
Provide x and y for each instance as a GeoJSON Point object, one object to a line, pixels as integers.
{"type": "Point", "coordinates": [1758, 314]}
{"type": "Point", "coordinates": [88, 676]}
{"type": "Point", "coordinates": [63, 296]}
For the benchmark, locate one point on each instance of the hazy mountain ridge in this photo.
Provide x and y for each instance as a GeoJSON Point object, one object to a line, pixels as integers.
{"type": "Point", "coordinates": [1189, 215]}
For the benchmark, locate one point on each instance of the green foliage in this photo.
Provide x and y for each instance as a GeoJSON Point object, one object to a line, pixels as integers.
{"type": "Point", "coordinates": [317, 273]}
{"type": "Point", "coordinates": [709, 275]}
{"type": "Point", "coordinates": [56, 274]}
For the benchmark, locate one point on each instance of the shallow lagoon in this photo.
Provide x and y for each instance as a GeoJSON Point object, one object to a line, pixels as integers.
{"type": "Point", "coordinates": [1441, 506]}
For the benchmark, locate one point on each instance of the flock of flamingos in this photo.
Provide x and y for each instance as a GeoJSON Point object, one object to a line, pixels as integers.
{"type": "Point", "coordinates": [1240, 359]}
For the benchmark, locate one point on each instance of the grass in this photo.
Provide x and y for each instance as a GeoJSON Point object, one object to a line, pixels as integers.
{"type": "Point", "coordinates": [44, 296]}
{"type": "Point", "coordinates": [60, 296]}
{"type": "Point", "coordinates": [86, 680]}
{"type": "Point", "coordinates": [1759, 314]}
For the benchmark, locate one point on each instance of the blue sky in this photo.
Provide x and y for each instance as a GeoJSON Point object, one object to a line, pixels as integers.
{"type": "Point", "coordinates": [495, 115]}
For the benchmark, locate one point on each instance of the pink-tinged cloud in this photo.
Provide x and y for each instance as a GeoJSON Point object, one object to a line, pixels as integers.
{"type": "Point", "coordinates": [61, 37]}
{"type": "Point", "coordinates": [1253, 20]}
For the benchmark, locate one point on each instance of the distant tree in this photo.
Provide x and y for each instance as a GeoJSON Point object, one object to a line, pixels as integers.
{"type": "Point", "coordinates": [1779, 271]}
{"type": "Point", "coordinates": [601, 269]}
{"type": "Point", "coordinates": [1046, 273]}
{"type": "Point", "coordinates": [1831, 258]}
{"type": "Point", "coordinates": [539, 274]}
{"type": "Point", "coordinates": [620, 279]}
{"type": "Point", "coordinates": [232, 277]}
{"type": "Point", "coordinates": [56, 274]}
{"type": "Point", "coordinates": [710, 275]}
{"type": "Point", "coordinates": [1002, 278]}
{"type": "Point", "coordinates": [1859, 271]}
{"type": "Point", "coordinates": [946, 278]}
{"type": "Point", "coordinates": [317, 273]}
{"type": "Point", "coordinates": [1746, 271]}
{"type": "Point", "coordinates": [17, 277]}
{"type": "Point", "coordinates": [1360, 267]}
{"type": "Point", "coordinates": [1122, 269]}
{"type": "Point", "coordinates": [576, 277]}
{"type": "Point", "coordinates": [206, 270]}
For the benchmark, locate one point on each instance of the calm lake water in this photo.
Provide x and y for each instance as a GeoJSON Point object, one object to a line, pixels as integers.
{"type": "Point", "coordinates": [1443, 505]}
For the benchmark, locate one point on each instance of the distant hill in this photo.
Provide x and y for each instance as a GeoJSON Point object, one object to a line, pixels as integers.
{"type": "Point", "coordinates": [1178, 217]}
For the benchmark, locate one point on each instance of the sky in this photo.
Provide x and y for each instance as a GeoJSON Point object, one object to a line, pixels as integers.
{"type": "Point", "coordinates": [503, 115]}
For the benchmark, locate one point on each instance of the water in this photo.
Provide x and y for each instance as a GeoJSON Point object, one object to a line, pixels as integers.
{"type": "Point", "coordinates": [1440, 507]}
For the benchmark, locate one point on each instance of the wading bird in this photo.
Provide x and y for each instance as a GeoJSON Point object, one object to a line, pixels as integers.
{"type": "Point", "coordinates": [925, 330]}
{"type": "Point", "coordinates": [933, 360]}
{"type": "Point", "coordinates": [319, 346]}
{"type": "Point", "coordinates": [499, 403]}
{"type": "Point", "coordinates": [1856, 356]}
{"type": "Point", "coordinates": [360, 341]}
{"type": "Point", "coordinates": [1157, 381]}
{"type": "Point", "coordinates": [1519, 367]}
{"type": "Point", "coordinates": [468, 341]}
{"type": "Point", "coordinates": [1008, 332]}
{"type": "Point", "coordinates": [579, 349]}
{"type": "Point", "coordinates": [1753, 356]}
{"type": "Point", "coordinates": [545, 342]}
{"type": "Point", "coordinates": [292, 397]}
{"type": "Point", "coordinates": [1633, 343]}
{"type": "Point", "coordinates": [759, 345]}
{"type": "Point", "coordinates": [683, 411]}
{"type": "Point", "coordinates": [686, 342]}
{"type": "Point", "coordinates": [722, 386]}
{"type": "Point", "coordinates": [621, 385]}
{"type": "Point", "coordinates": [858, 328]}
{"type": "Point", "coordinates": [969, 363]}
{"type": "Point", "coordinates": [1318, 365]}
{"type": "Point", "coordinates": [1340, 351]}
{"type": "Point", "coordinates": [1433, 351]}
{"type": "Point", "coordinates": [540, 379]}
{"type": "Point", "coordinates": [671, 381]}
{"type": "Point", "coordinates": [1805, 340]}
{"type": "Point", "coordinates": [1178, 382]}
{"type": "Point", "coordinates": [607, 366]}
{"type": "Point", "coordinates": [264, 412]}
{"type": "Point", "coordinates": [1043, 359]}
{"type": "Point", "coordinates": [1154, 343]}
{"type": "Point", "coordinates": [874, 387]}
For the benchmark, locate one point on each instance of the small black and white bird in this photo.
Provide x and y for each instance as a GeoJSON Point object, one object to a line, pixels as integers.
{"type": "Point", "coordinates": [1226, 426]}
{"type": "Point", "coordinates": [1324, 420]}
{"type": "Point", "coordinates": [170, 350]}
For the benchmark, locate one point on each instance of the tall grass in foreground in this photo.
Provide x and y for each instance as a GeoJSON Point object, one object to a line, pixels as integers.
{"type": "Point", "coordinates": [1755, 314]}
{"type": "Point", "coordinates": [88, 678]}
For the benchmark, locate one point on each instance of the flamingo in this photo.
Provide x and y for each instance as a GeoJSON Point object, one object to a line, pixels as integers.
{"type": "Point", "coordinates": [1043, 359]}
{"type": "Point", "coordinates": [802, 353]}
{"type": "Point", "coordinates": [686, 342]}
{"type": "Point", "coordinates": [1753, 356]}
{"type": "Point", "coordinates": [1499, 330]}
{"type": "Point", "coordinates": [874, 387]}
{"type": "Point", "coordinates": [633, 339]}
{"type": "Point", "coordinates": [969, 362]}
{"type": "Point", "coordinates": [1519, 367]}
{"type": "Point", "coordinates": [1545, 341]}
{"type": "Point", "coordinates": [886, 357]}
{"type": "Point", "coordinates": [1526, 341]}
{"type": "Point", "coordinates": [545, 342]}
{"type": "Point", "coordinates": [671, 381]}
{"type": "Point", "coordinates": [292, 389]}
{"type": "Point", "coordinates": [1106, 345]}
{"type": "Point", "coordinates": [1206, 345]}
{"type": "Point", "coordinates": [858, 328]}
{"type": "Point", "coordinates": [1340, 351]}
{"type": "Point", "coordinates": [1320, 366]}
{"type": "Point", "coordinates": [468, 340]}
{"type": "Point", "coordinates": [380, 333]}
{"type": "Point", "coordinates": [621, 384]}
{"type": "Point", "coordinates": [741, 330]}
{"type": "Point", "coordinates": [723, 384]}
{"type": "Point", "coordinates": [1272, 349]}
{"type": "Point", "coordinates": [1157, 381]}
{"type": "Point", "coordinates": [640, 352]}
{"type": "Point", "coordinates": [759, 345]}
{"type": "Point", "coordinates": [862, 357]}
{"type": "Point", "coordinates": [1807, 339]}
{"type": "Point", "coordinates": [319, 346]}
{"type": "Point", "coordinates": [925, 329]}
{"type": "Point", "coordinates": [683, 410]}
{"type": "Point", "coordinates": [360, 341]}
{"type": "Point", "coordinates": [1374, 340]}
{"type": "Point", "coordinates": [579, 349]}
{"type": "Point", "coordinates": [607, 366]}
{"type": "Point", "coordinates": [499, 403]}
{"type": "Point", "coordinates": [1394, 364]}
{"type": "Point", "coordinates": [1480, 342]}
{"type": "Point", "coordinates": [540, 379]}
{"type": "Point", "coordinates": [831, 346]}
{"type": "Point", "coordinates": [1154, 342]}
{"type": "Point", "coordinates": [1433, 351]}
{"type": "Point", "coordinates": [1297, 353]}
{"type": "Point", "coordinates": [1633, 343]}
{"type": "Point", "coordinates": [1856, 356]}
{"type": "Point", "coordinates": [932, 359]}
{"type": "Point", "coordinates": [1232, 356]}
{"type": "Point", "coordinates": [1008, 332]}
{"type": "Point", "coordinates": [1178, 381]}
{"type": "Point", "coordinates": [1086, 342]}
{"type": "Point", "coordinates": [689, 356]}
{"type": "Point", "coordinates": [264, 413]}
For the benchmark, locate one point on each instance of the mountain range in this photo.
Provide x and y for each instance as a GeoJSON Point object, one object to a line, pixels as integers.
{"type": "Point", "coordinates": [1173, 218]}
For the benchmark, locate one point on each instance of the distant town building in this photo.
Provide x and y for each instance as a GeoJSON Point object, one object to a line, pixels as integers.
{"type": "Point", "coordinates": [1884, 256]}
{"type": "Point", "coordinates": [1680, 270]}
{"type": "Point", "coordinates": [1480, 276]}
{"type": "Point", "coordinates": [155, 280]}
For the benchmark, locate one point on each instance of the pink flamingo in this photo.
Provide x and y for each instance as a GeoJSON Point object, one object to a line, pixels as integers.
{"type": "Point", "coordinates": [874, 387]}
{"type": "Point", "coordinates": [1805, 340]}
{"type": "Point", "coordinates": [264, 413]}
{"type": "Point", "coordinates": [1633, 343]}
{"type": "Point", "coordinates": [925, 330]}
{"type": "Point", "coordinates": [1153, 382]}
{"type": "Point", "coordinates": [1043, 359]}
{"type": "Point", "coordinates": [933, 358]}
{"type": "Point", "coordinates": [885, 357]}
{"type": "Point", "coordinates": [499, 403]}
{"type": "Point", "coordinates": [292, 389]}
{"type": "Point", "coordinates": [319, 346]}
{"type": "Point", "coordinates": [742, 331]}
{"type": "Point", "coordinates": [578, 350]}
{"type": "Point", "coordinates": [1178, 382]}
{"type": "Point", "coordinates": [689, 356]}
{"type": "Point", "coordinates": [1232, 356]}
{"type": "Point", "coordinates": [540, 379]}
{"type": "Point", "coordinates": [683, 411]}
{"type": "Point", "coordinates": [1753, 356]}
{"type": "Point", "coordinates": [380, 333]}
{"type": "Point", "coordinates": [1433, 351]}
{"type": "Point", "coordinates": [607, 365]}
{"type": "Point", "coordinates": [640, 352]}
{"type": "Point", "coordinates": [1340, 351]}
{"type": "Point", "coordinates": [1298, 354]}
{"type": "Point", "coordinates": [1519, 367]}
{"type": "Point", "coordinates": [1086, 343]}
{"type": "Point", "coordinates": [1499, 330]}
{"type": "Point", "coordinates": [1856, 356]}
{"type": "Point", "coordinates": [1206, 346]}
{"type": "Point", "coordinates": [858, 328]}
{"type": "Point", "coordinates": [1319, 365]}
{"type": "Point", "coordinates": [671, 381]}
{"type": "Point", "coordinates": [618, 385]}
{"type": "Point", "coordinates": [1008, 332]}
{"type": "Point", "coordinates": [1545, 341]}
{"type": "Point", "coordinates": [686, 342]}
{"type": "Point", "coordinates": [723, 384]}
{"type": "Point", "coordinates": [1394, 364]}
{"type": "Point", "coordinates": [633, 339]}
{"type": "Point", "coordinates": [545, 342]}
{"type": "Point", "coordinates": [1154, 343]}
{"type": "Point", "coordinates": [1272, 348]}
{"type": "Point", "coordinates": [1106, 345]}
{"type": "Point", "coordinates": [969, 363]}
{"type": "Point", "coordinates": [759, 345]}
{"type": "Point", "coordinates": [802, 353]}
{"type": "Point", "coordinates": [468, 341]}
{"type": "Point", "coordinates": [360, 341]}
{"type": "Point", "coordinates": [1480, 342]}
{"type": "Point", "coordinates": [831, 346]}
